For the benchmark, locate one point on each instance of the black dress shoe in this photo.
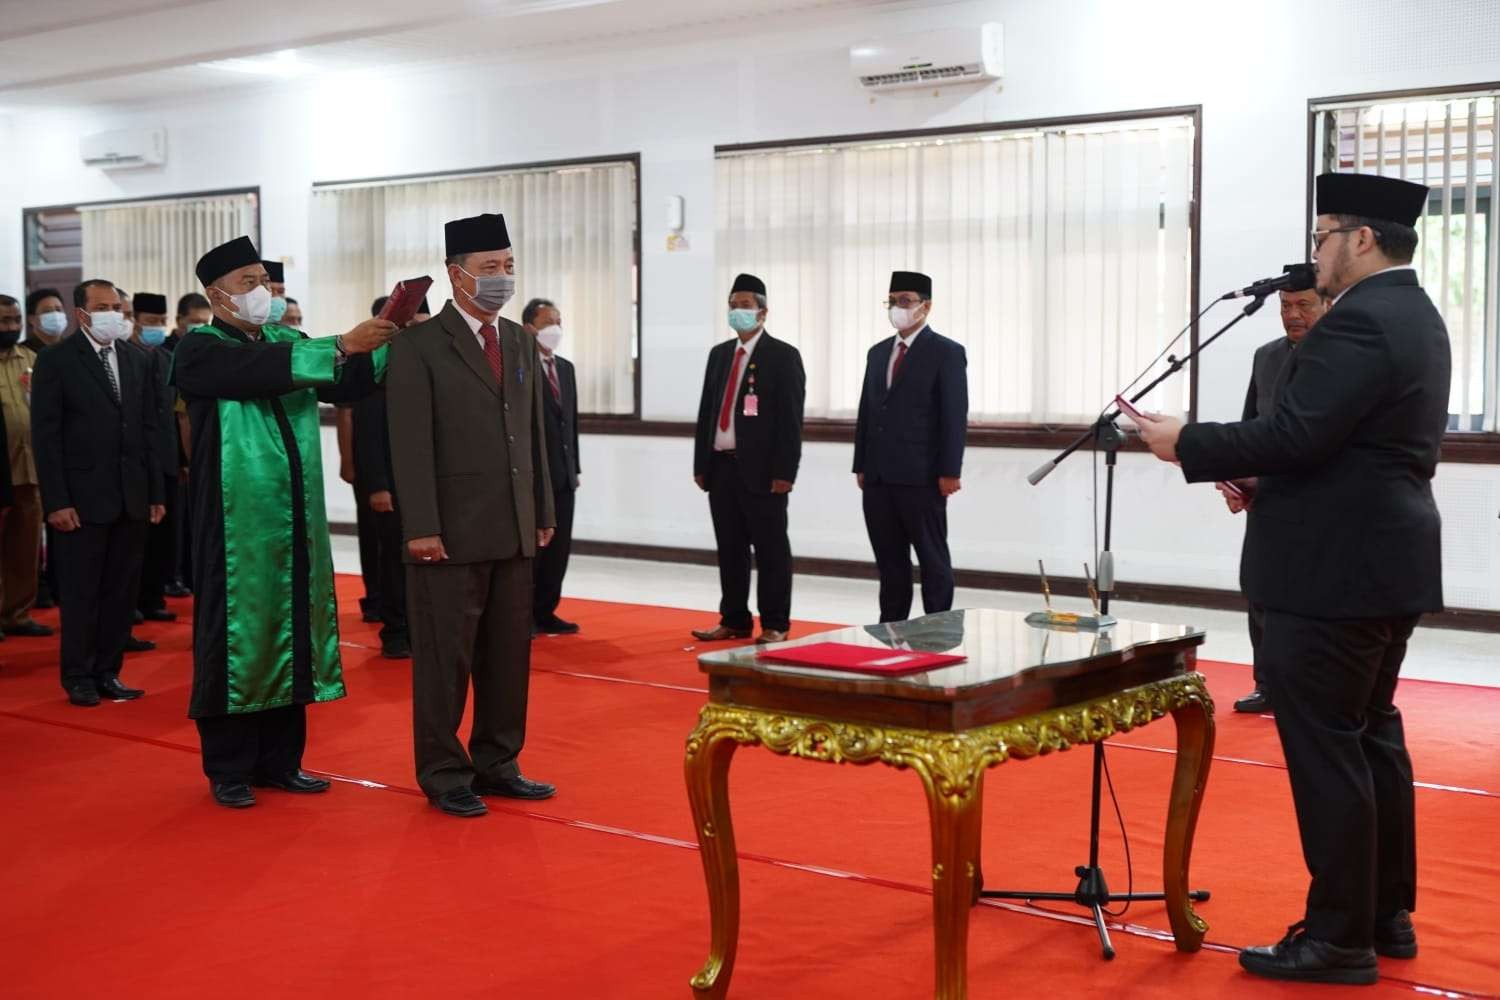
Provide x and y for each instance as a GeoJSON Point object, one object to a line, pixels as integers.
{"type": "Point", "coordinates": [297, 781]}
{"type": "Point", "coordinates": [1395, 937]}
{"type": "Point", "coordinates": [159, 615]}
{"type": "Point", "coordinates": [134, 645]}
{"type": "Point", "coordinates": [556, 626]}
{"type": "Point", "coordinates": [177, 590]}
{"type": "Point", "coordinates": [515, 788]}
{"type": "Point", "coordinates": [83, 696]}
{"type": "Point", "coordinates": [1300, 958]}
{"type": "Point", "coordinates": [395, 649]}
{"type": "Point", "coordinates": [114, 688]}
{"type": "Point", "coordinates": [136, 617]}
{"type": "Point", "coordinates": [460, 801]}
{"type": "Point", "coordinates": [232, 794]}
{"type": "Point", "coordinates": [28, 630]}
{"type": "Point", "coordinates": [1254, 703]}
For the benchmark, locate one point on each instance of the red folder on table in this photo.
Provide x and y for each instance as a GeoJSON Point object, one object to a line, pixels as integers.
{"type": "Point", "coordinates": [859, 659]}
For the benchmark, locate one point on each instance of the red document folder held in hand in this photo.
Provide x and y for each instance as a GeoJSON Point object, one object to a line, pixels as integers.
{"type": "Point", "coordinates": [405, 300]}
{"type": "Point", "coordinates": [859, 659]}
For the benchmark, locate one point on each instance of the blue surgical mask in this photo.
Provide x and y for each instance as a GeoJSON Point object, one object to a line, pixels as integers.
{"type": "Point", "coordinates": [278, 309]}
{"type": "Point", "coordinates": [153, 336]}
{"type": "Point", "coordinates": [53, 323]}
{"type": "Point", "coordinates": [744, 320]}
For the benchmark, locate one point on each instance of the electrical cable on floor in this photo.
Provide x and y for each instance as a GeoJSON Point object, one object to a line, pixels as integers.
{"type": "Point", "coordinates": [1125, 837]}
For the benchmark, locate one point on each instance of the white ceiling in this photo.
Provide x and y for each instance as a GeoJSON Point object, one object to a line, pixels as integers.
{"type": "Point", "coordinates": [85, 52]}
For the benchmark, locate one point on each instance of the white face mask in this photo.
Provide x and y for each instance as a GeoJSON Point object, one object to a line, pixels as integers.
{"type": "Point", "coordinates": [549, 337]}
{"type": "Point", "coordinates": [904, 319]}
{"type": "Point", "coordinates": [254, 306]}
{"type": "Point", "coordinates": [53, 323]}
{"type": "Point", "coordinates": [108, 326]}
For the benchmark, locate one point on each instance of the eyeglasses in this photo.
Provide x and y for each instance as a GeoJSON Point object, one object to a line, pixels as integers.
{"type": "Point", "coordinates": [904, 302]}
{"type": "Point", "coordinates": [1320, 235]}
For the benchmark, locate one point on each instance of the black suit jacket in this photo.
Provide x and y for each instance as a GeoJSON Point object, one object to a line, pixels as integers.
{"type": "Point", "coordinates": [92, 453]}
{"type": "Point", "coordinates": [768, 445]}
{"type": "Point", "coordinates": [1344, 524]}
{"type": "Point", "coordinates": [167, 439]}
{"type": "Point", "coordinates": [372, 447]}
{"type": "Point", "coordinates": [1268, 371]}
{"type": "Point", "coordinates": [561, 417]}
{"type": "Point", "coordinates": [913, 433]}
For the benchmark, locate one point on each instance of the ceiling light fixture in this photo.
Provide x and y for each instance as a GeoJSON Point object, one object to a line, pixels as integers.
{"type": "Point", "coordinates": [283, 63]}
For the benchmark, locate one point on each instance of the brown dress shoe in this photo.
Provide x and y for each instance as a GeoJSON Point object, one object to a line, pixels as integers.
{"type": "Point", "coordinates": [720, 633]}
{"type": "Point", "coordinates": [770, 635]}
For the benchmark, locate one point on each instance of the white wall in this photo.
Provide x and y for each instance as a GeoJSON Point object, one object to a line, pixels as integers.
{"type": "Point", "coordinates": [1252, 68]}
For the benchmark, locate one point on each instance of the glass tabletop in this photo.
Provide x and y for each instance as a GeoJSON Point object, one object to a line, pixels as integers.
{"type": "Point", "coordinates": [998, 645]}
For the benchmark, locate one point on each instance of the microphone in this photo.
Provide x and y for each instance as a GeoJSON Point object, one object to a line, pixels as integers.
{"type": "Point", "coordinates": [1042, 472]}
{"type": "Point", "coordinates": [1294, 278]}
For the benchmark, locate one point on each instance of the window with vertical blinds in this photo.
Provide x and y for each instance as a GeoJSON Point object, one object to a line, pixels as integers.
{"type": "Point", "coordinates": [154, 246]}
{"type": "Point", "coordinates": [1446, 142]}
{"type": "Point", "coordinates": [573, 227]}
{"type": "Point", "coordinates": [1061, 258]}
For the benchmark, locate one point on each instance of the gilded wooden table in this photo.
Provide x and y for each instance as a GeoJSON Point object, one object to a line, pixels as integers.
{"type": "Point", "coordinates": [1023, 692]}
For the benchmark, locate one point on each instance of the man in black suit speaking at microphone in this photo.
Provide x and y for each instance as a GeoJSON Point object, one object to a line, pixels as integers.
{"type": "Point", "coordinates": [1343, 552]}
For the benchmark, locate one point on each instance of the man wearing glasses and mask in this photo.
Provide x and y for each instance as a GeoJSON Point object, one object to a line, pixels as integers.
{"type": "Point", "coordinates": [909, 448]}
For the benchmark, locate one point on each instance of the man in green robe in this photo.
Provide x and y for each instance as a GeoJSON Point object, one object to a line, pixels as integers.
{"type": "Point", "coordinates": [265, 625]}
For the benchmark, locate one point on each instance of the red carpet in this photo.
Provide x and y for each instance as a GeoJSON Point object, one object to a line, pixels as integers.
{"type": "Point", "coordinates": [122, 879]}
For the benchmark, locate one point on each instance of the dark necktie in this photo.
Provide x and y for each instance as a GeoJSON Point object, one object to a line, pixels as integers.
{"type": "Point", "coordinates": [552, 379]}
{"type": "Point", "coordinates": [900, 357]}
{"type": "Point", "coordinates": [492, 352]}
{"type": "Point", "coordinates": [726, 411]}
{"type": "Point", "coordinates": [114, 383]}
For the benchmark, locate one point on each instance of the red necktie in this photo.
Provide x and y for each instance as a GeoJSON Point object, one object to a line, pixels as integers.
{"type": "Point", "coordinates": [492, 352]}
{"type": "Point", "coordinates": [552, 378]}
{"type": "Point", "coordinates": [727, 410]}
{"type": "Point", "coordinates": [900, 357]}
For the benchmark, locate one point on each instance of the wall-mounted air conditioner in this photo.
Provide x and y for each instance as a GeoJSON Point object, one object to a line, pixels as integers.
{"type": "Point", "coordinates": [135, 147]}
{"type": "Point", "coordinates": [930, 58]}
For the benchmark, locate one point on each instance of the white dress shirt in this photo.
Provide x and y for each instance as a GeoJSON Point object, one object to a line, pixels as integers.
{"type": "Point", "coordinates": [890, 368]}
{"type": "Point", "coordinates": [724, 439]}
{"type": "Point", "coordinates": [114, 356]}
{"type": "Point", "coordinates": [1383, 270]}
{"type": "Point", "coordinates": [475, 323]}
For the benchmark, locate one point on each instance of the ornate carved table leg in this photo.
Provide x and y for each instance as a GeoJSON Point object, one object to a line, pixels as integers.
{"type": "Point", "coordinates": [954, 801]}
{"type": "Point", "coordinates": [1195, 749]}
{"type": "Point", "coordinates": [709, 751]}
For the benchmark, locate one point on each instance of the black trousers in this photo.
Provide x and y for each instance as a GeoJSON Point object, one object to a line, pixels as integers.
{"type": "Point", "coordinates": [1332, 686]}
{"type": "Point", "coordinates": [469, 622]}
{"type": "Point", "coordinates": [159, 564]}
{"type": "Point", "coordinates": [390, 584]}
{"type": "Point", "coordinates": [99, 570]}
{"type": "Point", "coordinates": [369, 551]}
{"type": "Point", "coordinates": [552, 562]}
{"type": "Point", "coordinates": [48, 582]}
{"type": "Point", "coordinates": [899, 519]}
{"type": "Point", "coordinates": [249, 746]}
{"type": "Point", "coordinates": [184, 538]}
{"type": "Point", "coordinates": [744, 519]}
{"type": "Point", "coordinates": [1257, 629]}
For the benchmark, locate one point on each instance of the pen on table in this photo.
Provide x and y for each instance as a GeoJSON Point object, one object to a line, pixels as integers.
{"type": "Point", "coordinates": [1046, 590]}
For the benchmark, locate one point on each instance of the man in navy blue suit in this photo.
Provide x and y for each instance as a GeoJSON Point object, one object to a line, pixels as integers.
{"type": "Point", "coordinates": [909, 449]}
